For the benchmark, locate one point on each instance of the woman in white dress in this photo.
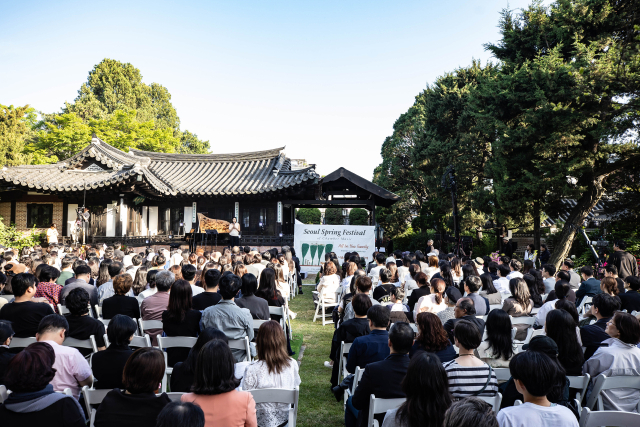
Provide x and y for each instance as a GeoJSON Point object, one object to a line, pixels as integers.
{"type": "Point", "coordinates": [274, 369]}
{"type": "Point", "coordinates": [234, 232]}
{"type": "Point", "coordinates": [52, 234]}
{"type": "Point", "coordinates": [329, 283]}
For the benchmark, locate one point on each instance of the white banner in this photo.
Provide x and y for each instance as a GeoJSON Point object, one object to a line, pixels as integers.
{"type": "Point", "coordinates": [312, 242]}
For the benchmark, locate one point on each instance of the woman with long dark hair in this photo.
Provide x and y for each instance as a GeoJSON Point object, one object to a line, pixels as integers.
{"type": "Point", "coordinates": [180, 319]}
{"type": "Point", "coordinates": [561, 328]}
{"type": "Point", "coordinates": [447, 276]}
{"type": "Point", "coordinates": [103, 273]}
{"type": "Point", "coordinates": [534, 293]}
{"type": "Point", "coordinates": [427, 389]}
{"type": "Point", "coordinates": [468, 270]}
{"type": "Point", "coordinates": [498, 348]}
{"type": "Point", "coordinates": [183, 372]}
{"type": "Point", "coordinates": [274, 369]}
{"type": "Point", "coordinates": [140, 281]}
{"type": "Point", "coordinates": [519, 304]}
{"type": "Point", "coordinates": [456, 269]}
{"type": "Point", "coordinates": [537, 274]}
{"type": "Point", "coordinates": [432, 338]}
{"type": "Point", "coordinates": [214, 389]}
{"type": "Point", "coordinates": [489, 291]}
{"type": "Point", "coordinates": [268, 290]}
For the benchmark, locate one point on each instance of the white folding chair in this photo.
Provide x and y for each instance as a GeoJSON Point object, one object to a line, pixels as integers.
{"type": "Point", "coordinates": [379, 406]}
{"type": "Point", "coordinates": [4, 393]}
{"type": "Point", "coordinates": [279, 395]}
{"type": "Point", "coordinates": [279, 311]}
{"type": "Point", "coordinates": [145, 325]}
{"type": "Point", "coordinates": [357, 376]}
{"type": "Point", "coordinates": [522, 320]}
{"type": "Point", "coordinates": [93, 398]}
{"type": "Point", "coordinates": [98, 311]}
{"type": "Point", "coordinates": [502, 374]}
{"type": "Point", "coordinates": [493, 401]}
{"type": "Point", "coordinates": [602, 383]}
{"type": "Point", "coordinates": [242, 344]}
{"type": "Point", "coordinates": [484, 318]}
{"type": "Point", "coordinates": [342, 366]}
{"type": "Point", "coordinates": [90, 343]}
{"type": "Point", "coordinates": [63, 310]}
{"type": "Point", "coordinates": [495, 307]}
{"type": "Point", "coordinates": [105, 322]}
{"type": "Point", "coordinates": [22, 342]}
{"type": "Point", "coordinates": [579, 383]}
{"type": "Point", "coordinates": [174, 396]}
{"type": "Point", "coordinates": [414, 327]}
{"type": "Point", "coordinates": [136, 342]}
{"type": "Point", "coordinates": [173, 342]}
{"type": "Point", "coordinates": [585, 300]}
{"type": "Point", "coordinates": [608, 418]}
{"type": "Point", "coordinates": [257, 323]}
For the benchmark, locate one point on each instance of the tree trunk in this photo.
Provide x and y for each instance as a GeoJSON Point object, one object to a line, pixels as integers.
{"type": "Point", "coordinates": [536, 225]}
{"type": "Point", "coordinates": [576, 218]}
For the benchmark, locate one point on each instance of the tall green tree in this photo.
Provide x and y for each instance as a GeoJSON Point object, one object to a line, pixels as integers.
{"type": "Point", "coordinates": [15, 132]}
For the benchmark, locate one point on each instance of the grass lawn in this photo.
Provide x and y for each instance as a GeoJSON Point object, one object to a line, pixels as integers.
{"type": "Point", "coordinates": [317, 404]}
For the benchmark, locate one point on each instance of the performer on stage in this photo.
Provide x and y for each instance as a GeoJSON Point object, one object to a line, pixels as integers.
{"type": "Point", "coordinates": [234, 232]}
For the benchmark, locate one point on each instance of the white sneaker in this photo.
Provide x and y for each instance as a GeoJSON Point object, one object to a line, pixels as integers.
{"type": "Point", "coordinates": [328, 365]}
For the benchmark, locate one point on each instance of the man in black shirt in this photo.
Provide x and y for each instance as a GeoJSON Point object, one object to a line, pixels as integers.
{"type": "Point", "coordinates": [631, 298]}
{"type": "Point", "coordinates": [423, 289]}
{"type": "Point", "coordinates": [23, 313]}
{"type": "Point", "coordinates": [81, 325]}
{"type": "Point", "coordinates": [210, 296]}
{"type": "Point", "coordinates": [108, 365]}
{"type": "Point", "coordinates": [382, 293]}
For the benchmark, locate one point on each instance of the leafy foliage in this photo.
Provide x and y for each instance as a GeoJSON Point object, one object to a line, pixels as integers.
{"type": "Point", "coordinates": [358, 216]}
{"type": "Point", "coordinates": [333, 216]}
{"type": "Point", "coordinates": [12, 238]}
{"type": "Point", "coordinates": [15, 132]}
{"type": "Point", "coordinates": [309, 216]}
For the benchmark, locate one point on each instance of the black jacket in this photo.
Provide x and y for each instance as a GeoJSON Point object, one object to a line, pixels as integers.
{"type": "Point", "coordinates": [451, 324]}
{"type": "Point", "coordinates": [383, 379]}
{"type": "Point", "coordinates": [130, 410]}
{"type": "Point", "coordinates": [416, 294]}
{"type": "Point", "coordinates": [108, 365]}
{"type": "Point", "coordinates": [625, 262]}
{"type": "Point", "coordinates": [347, 332]}
{"type": "Point", "coordinates": [5, 357]}
{"type": "Point", "coordinates": [630, 301]}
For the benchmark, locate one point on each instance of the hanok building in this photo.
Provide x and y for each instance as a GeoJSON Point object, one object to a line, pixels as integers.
{"type": "Point", "coordinates": [143, 198]}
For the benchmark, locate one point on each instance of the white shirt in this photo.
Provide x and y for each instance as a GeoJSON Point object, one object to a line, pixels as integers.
{"type": "Point", "coordinates": [375, 271]}
{"type": "Point", "coordinates": [541, 317]}
{"type": "Point", "coordinates": [549, 284]}
{"type": "Point", "coordinates": [531, 415]}
{"type": "Point", "coordinates": [328, 286]}
{"type": "Point", "coordinates": [146, 293]}
{"type": "Point", "coordinates": [514, 275]}
{"type": "Point", "coordinates": [502, 285]}
{"type": "Point", "coordinates": [126, 260]}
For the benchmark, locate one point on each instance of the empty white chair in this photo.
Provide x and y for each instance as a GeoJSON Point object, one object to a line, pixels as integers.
{"type": "Point", "coordinates": [379, 406]}
{"type": "Point", "coordinates": [93, 398]}
{"type": "Point", "coordinates": [609, 418]}
{"type": "Point", "coordinates": [495, 307]}
{"type": "Point", "coordinates": [323, 306]}
{"type": "Point", "coordinates": [22, 342]}
{"type": "Point", "coordinates": [602, 383]}
{"type": "Point", "coordinates": [90, 343]}
{"type": "Point", "coordinates": [493, 401]}
{"type": "Point", "coordinates": [279, 395]}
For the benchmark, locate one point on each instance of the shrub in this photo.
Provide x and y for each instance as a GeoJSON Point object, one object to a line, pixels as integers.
{"type": "Point", "coordinates": [309, 215]}
{"type": "Point", "coordinates": [358, 216]}
{"type": "Point", "coordinates": [333, 216]}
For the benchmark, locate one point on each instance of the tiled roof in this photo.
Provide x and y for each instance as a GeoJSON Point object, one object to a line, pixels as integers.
{"type": "Point", "coordinates": [163, 173]}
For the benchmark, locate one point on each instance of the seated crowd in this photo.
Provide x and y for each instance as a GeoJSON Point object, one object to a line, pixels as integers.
{"type": "Point", "coordinates": [98, 297]}
{"type": "Point", "coordinates": [464, 318]}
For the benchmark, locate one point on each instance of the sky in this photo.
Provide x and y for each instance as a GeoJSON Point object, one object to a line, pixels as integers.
{"type": "Point", "coordinates": [325, 79]}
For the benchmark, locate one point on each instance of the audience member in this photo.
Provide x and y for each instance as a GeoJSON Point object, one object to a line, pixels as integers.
{"type": "Point", "coordinates": [108, 365]}
{"type": "Point", "coordinates": [535, 374]}
{"type": "Point", "coordinates": [451, 297]}
{"type": "Point", "coordinates": [137, 404]}
{"type": "Point", "coordinates": [519, 304]}
{"type": "Point", "coordinates": [561, 291]}
{"type": "Point", "coordinates": [498, 348]}
{"type": "Point", "coordinates": [81, 325]}
{"type": "Point", "coordinates": [423, 288]}
{"type": "Point", "coordinates": [472, 286]}
{"type": "Point", "coordinates": [214, 387]}
{"type": "Point", "coordinates": [33, 400]}
{"type": "Point", "coordinates": [465, 310]}
{"type": "Point", "coordinates": [48, 288]}
{"type": "Point", "coordinates": [235, 322]}
{"type": "Point", "coordinates": [180, 320]}
{"type": "Point", "coordinates": [210, 296]}
{"type": "Point", "coordinates": [548, 273]}
{"type": "Point", "coordinates": [274, 369]}
{"type": "Point", "coordinates": [153, 306]}
{"type": "Point", "coordinates": [589, 286]}
{"type": "Point", "coordinates": [183, 414]}
{"type": "Point", "coordinates": [502, 283]}
{"type": "Point", "coordinates": [122, 302]}
{"type": "Point", "coordinates": [106, 290]}
{"type": "Point", "coordinates": [383, 378]}
{"type": "Point", "coordinates": [470, 412]}
{"type": "Point", "coordinates": [516, 267]}
{"type": "Point", "coordinates": [427, 390]}
{"type": "Point", "coordinates": [151, 283]}
{"type": "Point", "coordinates": [433, 301]}
{"type": "Point", "coordinates": [81, 280]}
{"type": "Point", "coordinates": [363, 286]}
{"type": "Point", "coordinates": [631, 298]}
{"type": "Point", "coordinates": [468, 375]}
{"type": "Point", "coordinates": [183, 372]}
{"type": "Point", "coordinates": [72, 369]}
{"type": "Point", "coordinates": [268, 289]}
{"type": "Point", "coordinates": [139, 280]}
{"type": "Point", "coordinates": [561, 328]}
{"type": "Point", "coordinates": [66, 270]}
{"type": "Point", "coordinates": [258, 307]}
{"type": "Point", "coordinates": [534, 283]}
{"type": "Point", "coordinates": [23, 313]}
{"type": "Point", "coordinates": [189, 274]}
{"type": "Point", "coordinates": [592, 336]}
{"type": "Point", "coordinates": [432, 338]}
{"type": "Point", "coordinates": [620, 357]}
{"type": "Point", "coordinates": [489, 291]}
{"type": "Point", "coordinates": [562, 276]}
{"type": "Point", "coordinates": [612, 271]}
{"type": "Point", "coordinates": [6, 333]}
{"type": "Point", "coordinates": [382, 292]}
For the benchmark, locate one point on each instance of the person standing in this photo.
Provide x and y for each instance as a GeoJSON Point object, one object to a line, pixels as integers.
{"type": "Point", "coordinates": [624, 261]}
{"type": "Point", "coordinates": [52, 234]}
{"type": "Point", "coordinates": [234, 232]}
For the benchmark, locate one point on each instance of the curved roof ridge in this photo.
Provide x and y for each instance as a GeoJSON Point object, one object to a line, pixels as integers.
{"type": "Point", "coordinates": [231, 157]}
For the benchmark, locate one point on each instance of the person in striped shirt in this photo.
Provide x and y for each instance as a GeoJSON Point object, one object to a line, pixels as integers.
{"type": "Point", "coordinates": [468, 375]}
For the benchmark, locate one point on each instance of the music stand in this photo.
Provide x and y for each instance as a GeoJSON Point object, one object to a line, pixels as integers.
{"type": "Point", "coordinates": [214, 232]}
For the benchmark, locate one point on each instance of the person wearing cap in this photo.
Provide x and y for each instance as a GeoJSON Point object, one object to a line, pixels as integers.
{"type": "Point", "coordinates": [451, 297]}
{"type": "Point", "coordinates": [559, 394]}
{"type": "Point", "coordinates": [6, 333]}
